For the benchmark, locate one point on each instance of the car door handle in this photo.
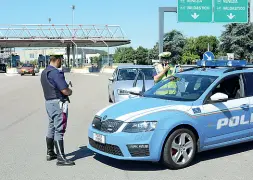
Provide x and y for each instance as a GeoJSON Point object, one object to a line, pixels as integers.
{"type": "Point", "coordinates": [244, 106]}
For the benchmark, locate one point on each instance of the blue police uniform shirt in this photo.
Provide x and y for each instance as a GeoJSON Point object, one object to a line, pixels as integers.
{"type": "Point", "coordinates": [57, 78]}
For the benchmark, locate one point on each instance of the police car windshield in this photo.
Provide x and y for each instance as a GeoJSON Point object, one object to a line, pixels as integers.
{"type": "Point", "coordinates": [130, 73]}
{"type": "Point", "coordinates": [182, 87]}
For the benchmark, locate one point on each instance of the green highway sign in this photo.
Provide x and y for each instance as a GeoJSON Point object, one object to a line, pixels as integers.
{"type": "Point", "coordinates": [194, 11]}
{"type": "Point", "coordinates": [231, 11]}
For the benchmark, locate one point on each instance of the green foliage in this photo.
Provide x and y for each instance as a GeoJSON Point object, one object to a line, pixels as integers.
{"type": "Point", "coordinates": [202, 45]}
{"type": "Point", "coordinates": [95, 60]}
{"type": "Point", "coordinates": [190, 54]}
{"type": "Point", "coordinates": [238, 39]}
{"type": "Point", "coordinates": [141, 55]}
{"type": "Point", "coordinates": [154, 53]}
{"type": "Point", "coordinates": [124, 55]}
{"type": "Point", "coordinates": [34, 62]}
{"type": "Point", "coordinates": [174, 42]}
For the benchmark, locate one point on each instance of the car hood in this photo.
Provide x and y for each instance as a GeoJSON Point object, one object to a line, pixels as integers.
{"type": "Point", "coordinates": [134, 107]}
{"type": "Point", "coordinates": [126, 85]}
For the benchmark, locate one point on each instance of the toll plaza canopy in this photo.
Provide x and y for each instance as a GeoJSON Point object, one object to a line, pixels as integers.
{"type": "Point", "coordinates": [50, 35]}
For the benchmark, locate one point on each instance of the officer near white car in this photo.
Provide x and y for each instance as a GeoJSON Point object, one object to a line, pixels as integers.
{"type": "Point", "coordinates": [166, 70]}
{"type": "Point", "coordinates": [56, 93]}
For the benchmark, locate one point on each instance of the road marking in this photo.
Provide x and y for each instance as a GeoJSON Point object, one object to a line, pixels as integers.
{"type": "Point", "coordinates": [11, 74]}
{"type": "Point", "coordinates": [89, 74]}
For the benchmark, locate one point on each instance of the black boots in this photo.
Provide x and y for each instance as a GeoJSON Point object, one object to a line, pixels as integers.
{"type": "Point", "coordinates": [62, 161]}
{"type": "Point", "coordinates": [50, 149]}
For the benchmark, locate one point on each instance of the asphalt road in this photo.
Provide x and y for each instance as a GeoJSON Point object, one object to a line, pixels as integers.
{"type": "Point", "coordinates": [23, 148]}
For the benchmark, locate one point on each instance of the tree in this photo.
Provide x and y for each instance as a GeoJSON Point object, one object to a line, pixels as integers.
{"type": "Point", "coordinates": [202, 45]}
{"type": "Point", "coordinates": [238, 39]}
{"type": "Point", "coordinates": [174, 42]}
{"type": "Point", "coordinates": [190, 52]}
{"type": "Point", "coordinates": [153, 53]}
{"type": "Point", "coordinates": [124, 55]}
{"type": "Point", "coordinates": [94, 60]}
{"type": "Point", "coordinates": [141, 55]}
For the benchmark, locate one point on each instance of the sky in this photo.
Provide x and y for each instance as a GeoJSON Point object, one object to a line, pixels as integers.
{"type": "Point", "coordinates": [137, 18]}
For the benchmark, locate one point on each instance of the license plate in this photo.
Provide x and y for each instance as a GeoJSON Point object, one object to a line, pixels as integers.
{"type": "Point", "coordinates": [99, 138]}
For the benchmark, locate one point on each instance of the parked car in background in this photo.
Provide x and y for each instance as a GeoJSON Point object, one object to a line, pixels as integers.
{"type": "Point", "coordinates": [123, 78]}
{"type": "Point", "coordinates": [3, 68]}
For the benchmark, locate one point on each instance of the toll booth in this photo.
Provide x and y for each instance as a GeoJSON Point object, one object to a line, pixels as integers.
{"type": "Point", "coordinates": [15, 60]}
{"type": "Point", "coordinates": [43, 61]}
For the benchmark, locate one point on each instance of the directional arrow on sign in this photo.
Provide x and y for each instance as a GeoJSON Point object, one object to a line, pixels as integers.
{"type": "Point", "coordinates": [231, 16]}
{"type": "Point", "coordinates": [195, 16]}
{"type": "Point", "coordinates": [208, 57]}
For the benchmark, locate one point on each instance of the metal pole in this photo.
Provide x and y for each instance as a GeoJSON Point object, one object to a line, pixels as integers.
{"type": "Point", "coordinates": [108, 56]}
{"type": "Point", "coordinates": [162, 10]}
{"type": "Point", "coordinates": [73, 8]}
{"type": "Point", "coordinates": [161, 31]}
{"type": "Point", "coordinates": [107, 52]}
{"type": "Point", "coordinates": [74, 52]}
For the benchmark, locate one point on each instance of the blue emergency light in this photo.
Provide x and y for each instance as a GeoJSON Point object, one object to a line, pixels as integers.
{"type": "Point", "coordinates": [221, 63]}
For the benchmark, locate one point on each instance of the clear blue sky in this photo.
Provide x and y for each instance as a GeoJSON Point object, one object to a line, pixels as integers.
{"type": "Point", "coordinates": [138, 18]}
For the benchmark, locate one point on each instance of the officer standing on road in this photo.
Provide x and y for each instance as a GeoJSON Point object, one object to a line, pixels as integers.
{"type": "Point", "coordinates": [56, 92]}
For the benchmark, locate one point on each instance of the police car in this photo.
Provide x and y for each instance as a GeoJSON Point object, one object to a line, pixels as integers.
{"type": "Point", "coordinates": [211, 108]}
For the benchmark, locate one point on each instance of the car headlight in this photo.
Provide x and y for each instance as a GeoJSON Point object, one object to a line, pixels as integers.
{"type": "Point", "coordinates": [122, 92]}
{"type": "Point", "coordinates": [136, 127]}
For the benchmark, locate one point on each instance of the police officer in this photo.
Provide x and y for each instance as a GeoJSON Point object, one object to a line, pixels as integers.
{"type": "Point", "coordinates": [56, 93]}
{"type": "Point", "coordinates": [164, 73]}
{"type": "Point", "coordinates": [167, 72]}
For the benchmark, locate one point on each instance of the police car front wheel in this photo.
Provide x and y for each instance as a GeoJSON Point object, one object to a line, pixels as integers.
{"type": "Point", "coordinates": [179, 149]}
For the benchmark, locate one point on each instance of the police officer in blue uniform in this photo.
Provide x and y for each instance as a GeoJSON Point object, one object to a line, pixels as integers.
{"type": "Point", "coordinates": [56, 93]}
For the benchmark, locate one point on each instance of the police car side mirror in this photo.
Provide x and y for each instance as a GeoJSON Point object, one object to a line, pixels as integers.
{"type": "Point", "coordinates": [219, 97]}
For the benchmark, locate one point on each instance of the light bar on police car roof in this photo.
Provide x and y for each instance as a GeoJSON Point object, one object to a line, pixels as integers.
{"type": "Point", "coordinates": [222, 63]}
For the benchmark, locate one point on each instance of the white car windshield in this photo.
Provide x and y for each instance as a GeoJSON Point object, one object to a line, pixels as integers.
{"type": "Point", "coordinates": [181, 87]}
{"type": "Point", "coordinates": [130, 73]}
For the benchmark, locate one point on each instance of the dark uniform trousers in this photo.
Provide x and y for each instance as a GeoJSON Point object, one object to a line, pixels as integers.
{"type": "Point", "coordinates": [57, 114]}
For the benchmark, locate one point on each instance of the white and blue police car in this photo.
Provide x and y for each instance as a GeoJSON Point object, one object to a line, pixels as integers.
{"type": "Point", "coordinates": [211, 108]}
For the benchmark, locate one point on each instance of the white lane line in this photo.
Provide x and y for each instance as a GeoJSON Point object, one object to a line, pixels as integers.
{"type": "Point", "coordinates": [89, 74]}
{"type": "Point", "coordinates": [11, 74]}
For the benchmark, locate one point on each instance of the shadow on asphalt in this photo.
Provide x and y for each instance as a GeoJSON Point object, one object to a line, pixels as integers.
{"type": "Point", "coordinates": [81, 153]}
{"type": "Point", "coordinates": [223, 152]}
{"type": "Point", "coordinates": [129, 165]}
{"type": "Point", "coordinates": [200, 157]}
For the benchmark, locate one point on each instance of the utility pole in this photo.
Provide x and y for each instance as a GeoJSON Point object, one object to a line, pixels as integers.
{"type": "Point", "coordinates": [73, 8]}
{"type": "Point", "coordinates": [49, 20]}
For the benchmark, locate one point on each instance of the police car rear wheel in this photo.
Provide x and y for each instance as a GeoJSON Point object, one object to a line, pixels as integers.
{"type": "Point", "coordinates": [180, 149]}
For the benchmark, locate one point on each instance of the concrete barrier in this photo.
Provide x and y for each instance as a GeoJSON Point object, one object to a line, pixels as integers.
{"type": "Point", "coordinates": [107, 70]}
{"type": "Point", "coordinates": [84, 70]}
{"type": "Point", "coordinates": [12, 71]}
